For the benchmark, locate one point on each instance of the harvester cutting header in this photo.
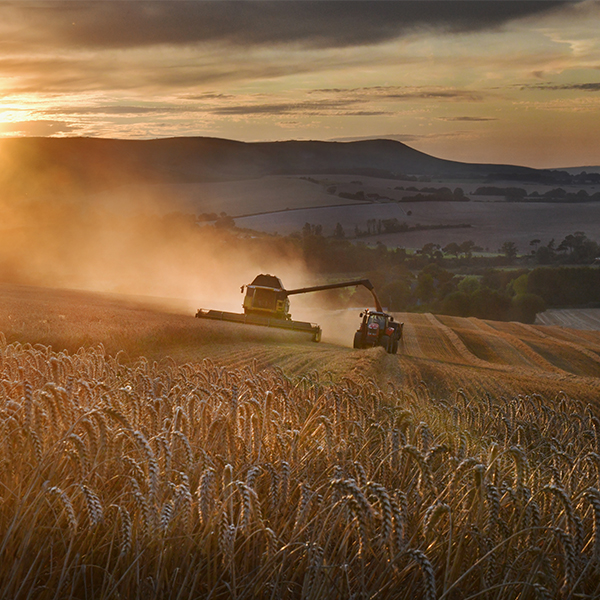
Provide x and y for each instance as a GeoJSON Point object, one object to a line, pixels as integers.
{"type": "Point", "coordinates": [267, 303]}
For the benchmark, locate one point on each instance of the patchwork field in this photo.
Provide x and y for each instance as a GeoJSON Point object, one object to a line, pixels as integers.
{"type": "Point", "coordinates": [283, 204]}
{"type": "Point", "coordinates": [491, 223]}
{"type": "Point", "coordinates": [236, 198]}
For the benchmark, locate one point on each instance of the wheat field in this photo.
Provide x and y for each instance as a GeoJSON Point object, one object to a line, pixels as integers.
{"type": "Point", "coordinates": [194, 480]}
{"type": "Point", "coordinates": [232, 463]}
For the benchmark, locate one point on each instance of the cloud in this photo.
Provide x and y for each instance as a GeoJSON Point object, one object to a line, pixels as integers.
{"type": "Point", "coordinates": [467, 119]}
{"type": "Point", "coordinates": [36, 128]}
{"type": "Point", "coordinates": [115, 110]}
{"type": "Point", "coordinates": [350, 102]}
{"type": "Point", "coordinates": [367, 113]}
{"type": "Point", "coordinates": [407, 93]}
{"type": "Point", "coordinates": [207, 96]}
{"type": "Point", "coordinates": [310, 24]}
{"type": "Point", "coordinates": [57, 73]}
{"type": "Point", "coordinates": [466, 96]}
{"type": "Point", "coordinates": [316, 107]}
{"type": "Point", "coordinates": [585, 87]}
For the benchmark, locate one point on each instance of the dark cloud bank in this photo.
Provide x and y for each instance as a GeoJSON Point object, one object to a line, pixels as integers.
{"type": "Point", "coordinates": [317, 24]}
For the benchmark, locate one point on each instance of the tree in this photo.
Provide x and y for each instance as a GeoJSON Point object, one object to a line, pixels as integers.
{"type": "Point", "coordinates": [519, 285]}
{"type": "Point", "coordinates": [509, 249]}
{"type": "Point", "coordinates": [545, 255]}
{"type": "Point", "coordinates": [579, 248]}
{"type": "Point", "coordinates": [467, 248]}
{"type": "Point", "coordinates": [431, 251]}
{"type": "Point", "coordinates": [525, 307]}
{"type": "Point", "coordinates": [556, 193]}
{"type": "Point", "coordinates": [396, 294]}
{"type": "Point", "coordinates": [515, 194]}
{"type": "Point", "coordinates": [425, 289]}
{"type": "Point", "coordinates": [452, 248]}
{"type": "Point", "coordinates": [534, 244]}
{"type": "Point", "coordinates": [457, 304]}
{"type": "Point", "coordinates": [224, 221]}
{"type": "Point", "coordinates": [339, 231]}
{"type": "Point", "coordinates": [469, 284]}
{"type": "Point", "coordinates": [490, 304]}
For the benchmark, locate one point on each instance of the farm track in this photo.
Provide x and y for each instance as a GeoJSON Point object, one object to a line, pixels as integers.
{"type": "Point", "coordinates": [443, 353]}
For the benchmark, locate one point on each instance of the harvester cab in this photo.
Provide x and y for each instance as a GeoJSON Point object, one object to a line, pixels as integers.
{"type": "Point", "coordinates": [266, 296]}
{"type": "Point", "coordinates": [377, 328]}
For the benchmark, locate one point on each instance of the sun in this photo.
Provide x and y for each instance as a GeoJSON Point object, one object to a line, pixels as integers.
{"type": "Point", "coordinates": [9, 119]}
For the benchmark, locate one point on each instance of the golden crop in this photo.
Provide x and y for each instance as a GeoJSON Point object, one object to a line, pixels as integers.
{"type": "Point", "coordinates": [158, 480]}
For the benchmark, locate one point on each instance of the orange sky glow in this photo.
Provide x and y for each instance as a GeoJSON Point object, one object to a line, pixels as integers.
{"type": "Point", "coordinates": [502, 82]}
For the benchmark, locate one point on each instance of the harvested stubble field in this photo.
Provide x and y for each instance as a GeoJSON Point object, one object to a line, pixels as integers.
{"type": "Point", "coordinates": [578, 318]}
{"type": "Point", "coordinates": [166, 457]}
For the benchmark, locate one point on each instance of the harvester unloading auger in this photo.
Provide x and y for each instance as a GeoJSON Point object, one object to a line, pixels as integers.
{"type": "Point", "coordinates": [267, 303]}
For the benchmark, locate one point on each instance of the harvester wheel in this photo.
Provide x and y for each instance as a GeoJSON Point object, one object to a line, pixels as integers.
{"type": "Point", "coordinates": [395, 346]}
{"type": "Point", "coordinates": [358, 340]}
{"type": "Point", "coordinates": [385, 342]}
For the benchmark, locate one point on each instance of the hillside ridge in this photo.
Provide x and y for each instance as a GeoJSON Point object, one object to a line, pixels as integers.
{"type": "Point", "coordinates": [80, 163]}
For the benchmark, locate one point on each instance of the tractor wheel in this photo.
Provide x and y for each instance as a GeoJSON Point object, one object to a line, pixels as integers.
{"type": "Point", "coordinates": [358, 340]}
{"type": "Point", "coordinates": [385, 342]}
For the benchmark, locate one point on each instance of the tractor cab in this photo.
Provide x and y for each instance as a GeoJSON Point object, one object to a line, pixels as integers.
{"type": "Point", "coordinates": [378, 329]}
{"type": "Point", "coordinates": [377, 320]}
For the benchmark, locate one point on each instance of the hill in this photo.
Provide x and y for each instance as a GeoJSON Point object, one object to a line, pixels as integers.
{"type": "Point", "coordinates": [53, 166]}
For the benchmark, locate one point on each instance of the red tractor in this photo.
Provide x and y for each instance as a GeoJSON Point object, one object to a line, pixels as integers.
{"type": "Point", "coordinates": [378, 329]}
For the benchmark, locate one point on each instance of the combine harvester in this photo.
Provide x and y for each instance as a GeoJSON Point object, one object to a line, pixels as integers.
{"type": "Point", "coordinates": [266, 303]}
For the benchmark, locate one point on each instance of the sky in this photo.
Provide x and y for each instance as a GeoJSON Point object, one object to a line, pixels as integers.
{"type": "Point", "coordinates": [507, 81]}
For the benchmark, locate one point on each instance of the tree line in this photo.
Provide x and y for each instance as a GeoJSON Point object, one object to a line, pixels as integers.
{"type": "Point", "coordinates": [452, 279]}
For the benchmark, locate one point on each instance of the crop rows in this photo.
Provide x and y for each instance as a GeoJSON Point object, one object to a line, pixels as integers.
{"type": "Point", "coordinates": [158, 480]}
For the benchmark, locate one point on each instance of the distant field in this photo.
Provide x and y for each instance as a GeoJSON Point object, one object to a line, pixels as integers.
{"type": "Point", "coordinates": [286, 203]}
{"type": "Point", "coordinates": [576, 318]}
{"type": "Point", "coordinates": [491, 223]}
{"type": "Point", "coordinates": [233, 197]}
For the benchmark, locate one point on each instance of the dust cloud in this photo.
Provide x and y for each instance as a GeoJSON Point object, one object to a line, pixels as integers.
{"type": "Point", "coordinates": [337, 312]}
{"type": "Point", "coordinates": [59, 228]}
{"type": "Point", "coordinates": [64, 240]}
